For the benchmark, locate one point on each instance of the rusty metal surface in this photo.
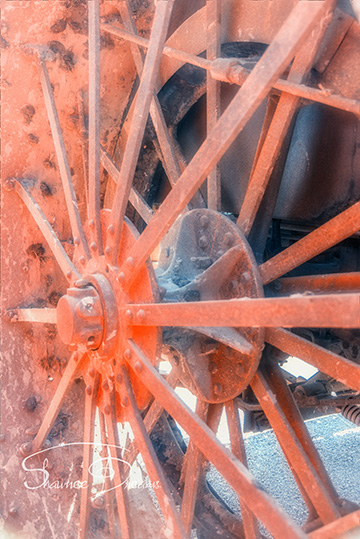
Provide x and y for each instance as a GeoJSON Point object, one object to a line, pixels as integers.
{"type": "Point", "coordinates": [91, 307]}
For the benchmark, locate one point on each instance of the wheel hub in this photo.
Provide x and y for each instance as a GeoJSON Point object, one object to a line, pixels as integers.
{"type": "Point", "coordinates": [206, 257]}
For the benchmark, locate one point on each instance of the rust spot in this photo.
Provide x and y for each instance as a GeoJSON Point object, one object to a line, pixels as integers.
{"type": "Point", "coordinates": [54, 297]}
{"type": "Point", "coordinates": [65, 56]}
{"type": "Point", "coordinates": [31, 404]}
{"type": "Point", "coordinates": [45, 189]}
{"type": "Point", "coordinates": [36, 250]}
{"type": "Point", "coordinates": [106, 41]}
{"type": "Point", "coordinates": [33, 139]}
{"type": "Point", "coordinates": [28, 112]}
{"type": "Point", "coordinates": [49, 164]}
{"type": "Point", "coordinates": [59, 26]}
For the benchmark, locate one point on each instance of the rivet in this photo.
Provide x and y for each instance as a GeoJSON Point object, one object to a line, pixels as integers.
{"type": "Point", "coordinates": [92, 372]}
{"type": "Point", "coordinates": [127, 353]}
{"type": "Point", "coordinates": [80, 283]}
{"type": "Point", "coordinates": [141, 314]}
{"type": "Point", "coordinates": [107, 409]}
{"type": "Point", "coordinates": [218, 389]}
{"type": "Point", "coordinates": [108, 250]}
{"type": "Point", "coordinates": [88, 390]}
{"type": "Point", "coordinates": [91, 223]}
{"type": "Point", "coordinates": [239, 369]}
{"type": "Point", "coordinates": [93, 246]}
{"type": "Point", "coordinates": [228, 238]}
{"type": "Point", "coordinates": [119, 378]}
{"type": "Point", "coordinates": [130, 261]}
{"type": "Point", "coordinates": [213, 368]}
{"type": "Point", "coordinates": [105, 385]}
{"type": "Point", "coordinates": [110, 229]}
{"type": "Point", "coordinates": [68, 274]}
{"type": "Point", "coordinates": [9, 184]}
{"type": "Point", "coordinates": [204, 221]}
{"type": "Point", "coordinates": [203, 242]}
{"type": "Point", "coordinates": [138, 366]}
{"type": "Point", "coordinates": [98, 502]}
{"type": "Point", "coordinates": [25, 268]}
{"type": "Point", "coordinates": [13, 511]}
{"type": "Point", "coordinates": [47, 444]}
{"type": "Point", "coordinates": [26, 449]}
{"type": "Point", "coordinates": [129, 315]}
{"type": "Point", "coordinates": [233, 285]}
{"type": "Point", "coordinates": [277, 285]}
{"type": "Point", "coordinates": [76, 241]}
{"type": "Point", "coordinates": [82, 260]}
{"type": "Point", "coordinates": [124, 401]}
{"type": "Point", "coordinates": [121, 277]}
{"type": "Point", "coordinates": [245, 278]}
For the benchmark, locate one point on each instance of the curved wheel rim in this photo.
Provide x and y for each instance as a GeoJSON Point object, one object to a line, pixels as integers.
{"type": "Point", "coordinates": [117, 364]}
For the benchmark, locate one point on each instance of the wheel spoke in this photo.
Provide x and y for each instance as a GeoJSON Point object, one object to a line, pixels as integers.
{"type": "Point", "coordinates": [73, 366]}
{"type": "Point", "coordinates": [84, 134]}
{"type": "Point", "coordinates": [339, 527]}
{"type": "Point", "coordinates": [154, 470]}
{"type": "Point", "coordinates": [37, 316]}
{"type": "Point", "coordinates": [266, 509]}
{"type": "Point", "coordinates": [121, 492]}
{"type": "Point", "coordinates": [340, 310]}
{"type": "Point", "coordinates": [278, 129]}
{"type": "Point", "coordinates": [228, 336]}
{"type": "Point", "coordinates": [276, 381]}
{"type": "Point", "coordinates": [279, 53]}
{"type": "Point", "coordinates": [151, 418]}
{"type": "Point", "coordinates": [238, 449]}
{"type": "Point", "coordinates": [53, 241]}
{"type": "Point", "coordinates": [109, 493]}
{"type": "Point", "coordinates": [142, 106]}
{"type": "Point", "coordinates": [293, 451]}
{"type": "Point", "coordinates": [89, 420]}
{"type": "Point", "coordinates": [94, 124]}
{"type": "Point", "coordinates": [335, 282]}
{"type": "Point", "coordinates": [65, 174]}
{"type": "Point", "coordinates": [213, 51]}
{"type": "Point", "coordinates": [337, 229]}
{"type": "Point", "coordinates": [193, 471]}
{"type": "Point", "coordinates": [135, 198]}
{"type": "Point", "coordinates": [170, 161]}
{"type": "Point", "coordinates": [327, 362]}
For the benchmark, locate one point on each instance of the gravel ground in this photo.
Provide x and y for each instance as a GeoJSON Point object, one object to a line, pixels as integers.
{"type": "Point", "coordinates": [338, 442]}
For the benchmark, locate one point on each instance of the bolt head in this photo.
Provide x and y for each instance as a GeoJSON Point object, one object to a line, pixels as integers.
{"type": "Point", "coordinates": [204, 221]}
{"type": "Point", "coordinates": [88, 390]}
{"type": "Point", "coordinates": [127, 353]}
{"type": "Point", "coordinates": [93, 246]}
{"type": "Point", "coordinates": [82, 260]}
{"type": "Point", "coordinates": [130, 261]}
{"type": "Point", "coordinates": [110, 229]}
{"type": "Point", "coordinates": [141, 314]}
{"type": "Point", "coordinates": [108, 251]}
{"type": "Point", "coordinates": [203, 242]}
{"type": "Point", "coordinates": [138, 366]}
{"type": "Point", "coordinates": [91, 223]}
{"type": "Point", "coordinates": [107, 409]}
{"type": "Point", "coordinates": [76, 241]}
{"type": "Point", "coordinates": [229, 238]}
{"type": "Point", "coordinates": [124, 401]}
{"type": "Point", "coordinates": [9, 185]}
{"type": "Point", "coordinates": [213, 368]}
{"type": "Point", "coordinates": [121, 277]}
{"type": "Point", "coordinates": [26, 449]}
{"type": "Point", "coordinates": [129, 314]}
{"type": "Point", "coordinates": [105, 385]}
{"type": "Point", "coordinates": [98, 502]}
{"type": "Point", "coordinates": [218, 389]}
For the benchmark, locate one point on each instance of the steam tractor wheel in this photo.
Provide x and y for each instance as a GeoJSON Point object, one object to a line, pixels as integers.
{"type": "Point", "coordinates": [185, 229]}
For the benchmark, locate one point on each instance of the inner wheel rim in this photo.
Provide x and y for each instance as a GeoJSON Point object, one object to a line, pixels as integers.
{"type": "Point", "coordinates": [117, 353]}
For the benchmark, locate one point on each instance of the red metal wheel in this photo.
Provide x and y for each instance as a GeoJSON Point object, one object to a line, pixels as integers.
{"type": "Point", "coordinates": [102, 344]}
